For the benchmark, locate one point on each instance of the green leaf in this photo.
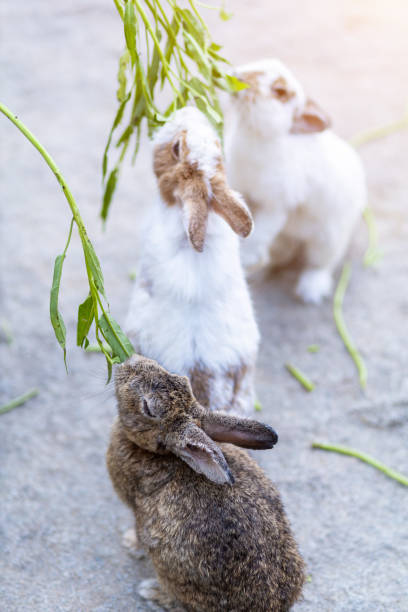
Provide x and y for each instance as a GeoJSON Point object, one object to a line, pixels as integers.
{"type": "Point", "coordinates": [123, 63]}
{"type": "Point", "coordinates": [121, 345]}
{"type": "Point", "coordinates": [192, 25]}
{"type": "Point", "coordinates": [153, 69]}
{"type": "Point", "coordinates": [197, 54]}
{"type": "Point", "coordinates": [55, 315]}
{"type": "Point", "coordinates": [93, 264]}
{"type": "Point", "coordinates": [85, 318]}
{"type": "Point", "coordinates": [234, 84]}
{"type": "Point", "coordinates": [171, 42]}
{"type": "Point", "coordinates": [224, 15]}
{"type": "Point", "coordinates": [117, 120]}
{"type": "Point", "coordinates": [130, 27]}
{"type": "Point", "coordinates": [109, 189]}
{"type": "Point", "coordinates": [209, 112]}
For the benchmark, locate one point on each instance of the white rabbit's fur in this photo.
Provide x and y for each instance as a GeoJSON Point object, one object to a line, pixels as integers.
{"type": "Point", "coordinates": [191, 311]}
{"type": "Point", "coordinates": [305, 188]}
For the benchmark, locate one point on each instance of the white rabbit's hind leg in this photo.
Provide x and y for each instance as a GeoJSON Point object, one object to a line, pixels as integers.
{"type": "Point", "coordinates": [314, 285]}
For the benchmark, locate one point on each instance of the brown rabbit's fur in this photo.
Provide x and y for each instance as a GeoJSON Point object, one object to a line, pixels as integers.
{"type": "Point", "coordinates": [214, 546]}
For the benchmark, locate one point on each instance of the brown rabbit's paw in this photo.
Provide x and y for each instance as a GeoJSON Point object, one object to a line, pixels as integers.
{"type": "Point", "coordinates": [152, 591]}
{"type": "Point", "coordinates": [131, 543]}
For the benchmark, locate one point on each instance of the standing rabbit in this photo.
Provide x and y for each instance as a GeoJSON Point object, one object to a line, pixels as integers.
{"type": "Point", "coordinates": [212, 522]}
{"type": "Point", "coordinates": [190, 308]}
{"type": "Point", "coordinates": [306, 184]}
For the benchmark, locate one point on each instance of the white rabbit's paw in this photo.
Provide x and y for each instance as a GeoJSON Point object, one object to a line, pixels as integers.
{"type": "Point", "coordinates": [314, 285]}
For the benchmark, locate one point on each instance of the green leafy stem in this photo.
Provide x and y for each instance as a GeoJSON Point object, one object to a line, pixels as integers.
{"type": "Point", "coordinates": [95, 308]}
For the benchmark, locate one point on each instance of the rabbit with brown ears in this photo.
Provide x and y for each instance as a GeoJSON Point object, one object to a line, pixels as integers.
{"type": "Point", "coordinates": [190, 308]}
{"type": "Point", "coordinates": [212, 522]}
{"type": "Point", "coordinates": [306, 185]}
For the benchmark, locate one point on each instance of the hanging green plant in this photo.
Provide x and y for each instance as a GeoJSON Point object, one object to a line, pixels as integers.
{"type": "Point", "coordinates": [167, 46]}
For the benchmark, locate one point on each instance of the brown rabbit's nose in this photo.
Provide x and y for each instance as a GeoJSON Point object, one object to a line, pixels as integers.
{"type": "Point", "coordinates": [273, 438]}
{"type": "Point", "coordinates": [265, 438]}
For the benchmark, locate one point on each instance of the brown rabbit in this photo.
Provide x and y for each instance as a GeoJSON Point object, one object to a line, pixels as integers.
{"type": "Point", "coordinates": [211, 521]}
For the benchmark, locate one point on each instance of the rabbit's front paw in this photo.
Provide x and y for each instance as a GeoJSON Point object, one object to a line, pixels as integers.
{"type": "Point", "coordinates": [314, 285]}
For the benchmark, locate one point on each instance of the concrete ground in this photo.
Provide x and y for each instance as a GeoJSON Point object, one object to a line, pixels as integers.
{"type": "Point", "coordinates": [60, 522]}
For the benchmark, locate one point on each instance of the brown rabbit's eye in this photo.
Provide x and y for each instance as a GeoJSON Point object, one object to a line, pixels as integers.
{"type": "Point", "coordinates": [146, 410]}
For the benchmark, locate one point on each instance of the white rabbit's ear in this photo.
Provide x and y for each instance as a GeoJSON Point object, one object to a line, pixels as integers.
{"type": "Point", "coordinates": [201, 454]}
{"type": "Point", "coordinates": [311, 119]}
{"type": "Point", "coordinates": [246, 433]}
{"type": "Point", "coordinates": [195, 213]}
{"type": "Point", "coordinates": [231, 207]}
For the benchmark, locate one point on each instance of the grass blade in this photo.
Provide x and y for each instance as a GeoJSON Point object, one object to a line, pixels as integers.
{"type": "Point", "coordinates": [301, 377]}
{"type": "Point", "coordinates": [341, 325]}
{"type": "Point", "coordinates": [345, 450]}
{"type": "Point", "coordinates": [18, 401]}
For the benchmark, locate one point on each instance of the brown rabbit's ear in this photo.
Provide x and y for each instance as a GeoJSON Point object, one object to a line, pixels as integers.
{"type": "Point", "coordinates": [231, 207]}
{"type": "Point", "coordinates": [246, 433]}
{"type": "Point", "coordinates": [201, 454]}
{"type": "Point", "coordinates": [311, 119]}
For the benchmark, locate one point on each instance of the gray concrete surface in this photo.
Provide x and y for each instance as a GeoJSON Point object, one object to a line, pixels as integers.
{"type": "Point", "coordinates": [60, 522]}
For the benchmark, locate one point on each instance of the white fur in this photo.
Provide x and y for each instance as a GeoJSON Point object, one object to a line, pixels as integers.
{"type": "Point", "coordinates": [308, 187]}
{"type": "Point", "coordinates": [191, 309]}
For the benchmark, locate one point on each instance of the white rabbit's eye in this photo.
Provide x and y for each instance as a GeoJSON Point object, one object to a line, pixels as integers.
{"type": "Point", "coordinates": [146, 410]}
{"type": "Point", "coordinates": [175, 150]}
{"type": "Point", "coordinates": [280, 90]}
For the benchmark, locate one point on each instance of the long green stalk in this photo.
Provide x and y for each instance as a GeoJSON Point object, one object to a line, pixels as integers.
{"type": "Point", "coordinates": [50, 162]}
{"type": "Point", "coordinates": [18, 401]}
{"type": "Point", "coordinates": [341, 325]}
{"type": "Point", "coordinates": [345, 450]}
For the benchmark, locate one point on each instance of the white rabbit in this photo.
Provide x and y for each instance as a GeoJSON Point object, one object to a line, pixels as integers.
{"type": "Point", "coordinates": [305, 185]}
{"type": "Point", "coordinates": [190, 308]}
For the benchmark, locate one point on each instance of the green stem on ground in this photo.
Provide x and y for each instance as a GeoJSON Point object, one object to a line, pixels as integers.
{"type": "Point", "coordinates": [373, 253]}
{"type": "Point", "coordinates": [18, 401]}
{"type": "Point", "coordinates": [341, 325]}
{"type": "Point", "coordinates": [302, 378]}
{"type": "Point", "coordinates": [344, 450]}
{"type": "Point", "coordinates": [380, 132]}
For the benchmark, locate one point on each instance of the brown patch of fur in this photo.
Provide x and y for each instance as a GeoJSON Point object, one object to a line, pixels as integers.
{"type": "Point", "coordinates": [251, 79]}
{"type": "Point", "coordinates": [228, 206]}
{"type": "Point", "coordinates": [246, 433]}
{"type": "Point", "coordinates": [312, 119]}
{"type": "Point", "coordinates": [180, 181]}
{"type": "Point", "coordinates": [200, 380]}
